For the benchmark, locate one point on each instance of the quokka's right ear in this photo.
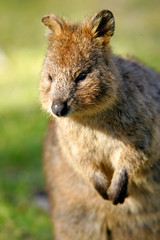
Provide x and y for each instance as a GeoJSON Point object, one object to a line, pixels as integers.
{"type": "Point", "coordinates": [102, 25]}
{"type": "Point", "coordinates": [53, 23]}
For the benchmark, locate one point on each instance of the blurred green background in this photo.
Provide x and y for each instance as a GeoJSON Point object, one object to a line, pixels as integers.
{"type": "Point", "coordinates": [22, 123]}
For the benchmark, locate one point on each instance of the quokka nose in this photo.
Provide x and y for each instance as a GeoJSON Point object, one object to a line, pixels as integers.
{"type": "Point", "coordinates": [59, 108]}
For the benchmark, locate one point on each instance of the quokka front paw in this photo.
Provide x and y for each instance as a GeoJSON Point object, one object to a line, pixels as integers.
{"type": "Point", "coordinates": [117, 191]}
{"type": "Point", "coordinates": [101, 184]}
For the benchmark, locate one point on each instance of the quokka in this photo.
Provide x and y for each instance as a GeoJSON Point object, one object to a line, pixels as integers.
{"type": "Point", "coordinates": [102, 150]}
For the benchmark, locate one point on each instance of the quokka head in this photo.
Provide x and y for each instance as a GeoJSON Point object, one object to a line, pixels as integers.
{"type": "Point", "coordinates": [78, 76]}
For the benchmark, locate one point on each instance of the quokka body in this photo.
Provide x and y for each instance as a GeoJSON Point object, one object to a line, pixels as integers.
{"type": "Point", "coordinates": [102, 150]}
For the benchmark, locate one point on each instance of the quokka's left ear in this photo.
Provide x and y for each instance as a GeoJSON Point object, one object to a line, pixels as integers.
{"type": "Point", "coordinates": [102, 25]}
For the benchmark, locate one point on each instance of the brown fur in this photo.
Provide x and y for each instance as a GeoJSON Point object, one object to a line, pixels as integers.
{"type": "Point", "coordinates": [106, 139]}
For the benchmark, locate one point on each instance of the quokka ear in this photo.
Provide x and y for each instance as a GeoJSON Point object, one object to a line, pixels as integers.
{"type": "Point", "coordinates": [53, 23]}
{"type": "Point", "coordinates": [103, 24]}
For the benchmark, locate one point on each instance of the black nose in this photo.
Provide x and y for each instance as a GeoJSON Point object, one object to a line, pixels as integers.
{"type": "Point", "coordinates": [60, 108]}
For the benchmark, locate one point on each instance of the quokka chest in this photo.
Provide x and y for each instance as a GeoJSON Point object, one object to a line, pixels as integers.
{"type": "Point", "coordinates": [84, 143]}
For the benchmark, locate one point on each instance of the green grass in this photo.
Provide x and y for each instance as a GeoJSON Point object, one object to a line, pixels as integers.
{"type": "Point", "coordinates": [22, 128]}
{"type": "Point", "coordinates": [22, 123]}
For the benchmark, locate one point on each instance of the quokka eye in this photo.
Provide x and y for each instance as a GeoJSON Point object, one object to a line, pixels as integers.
{"type": "Point", "coordinates": [49, 77]}
{"type": "Point", "coordinates": [81, 77]}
